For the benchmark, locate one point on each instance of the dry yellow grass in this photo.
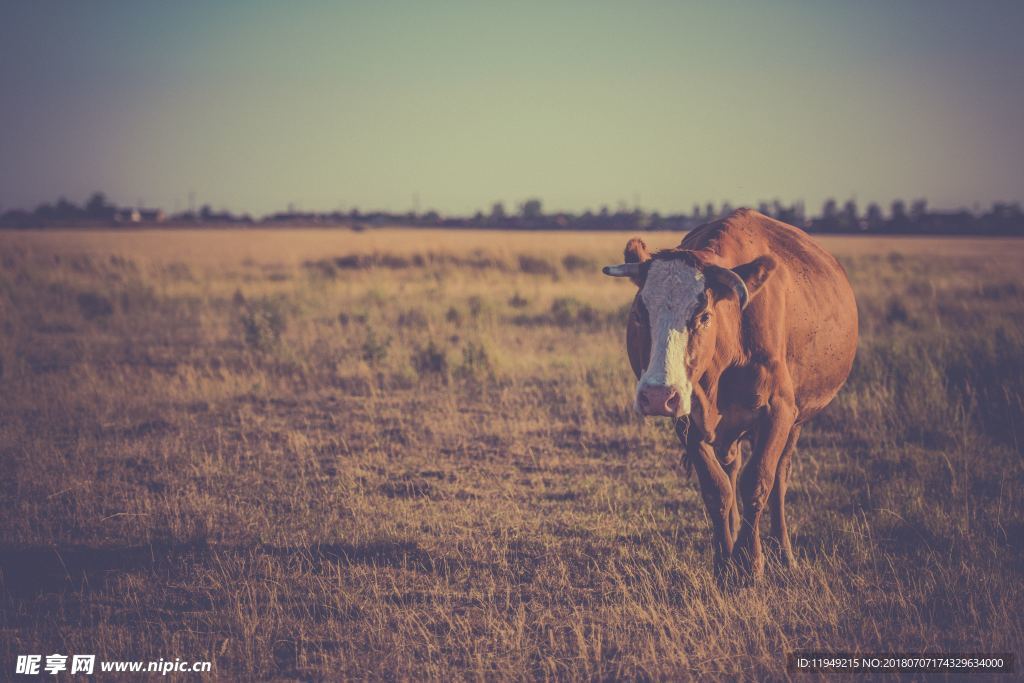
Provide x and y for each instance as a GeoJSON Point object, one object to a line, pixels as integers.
{"type": "Point", "coordinates": [212, 247]}
{"type": "Point", "coordinates": [251, 447]}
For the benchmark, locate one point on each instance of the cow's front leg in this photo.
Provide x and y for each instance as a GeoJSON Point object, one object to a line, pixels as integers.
{"type": "Point", "coordinates": [719, 498]}
{"type": "Point", "coordinates": [758, 480]}
{"type": "Point", "coordinates": [777, 501]}
{"type": "Point", "coordinates": [732, 461]}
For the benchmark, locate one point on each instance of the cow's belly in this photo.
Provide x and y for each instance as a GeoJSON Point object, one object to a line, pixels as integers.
{"type": "Point", "coordinates": [821, 355]}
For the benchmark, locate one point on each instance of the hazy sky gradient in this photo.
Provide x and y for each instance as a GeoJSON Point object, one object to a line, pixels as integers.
{"type": "Point", "coordinates": [331, 105]}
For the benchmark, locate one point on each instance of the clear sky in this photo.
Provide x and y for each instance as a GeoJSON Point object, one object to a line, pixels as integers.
{"type": "Point", "coordinates": [255, 105]}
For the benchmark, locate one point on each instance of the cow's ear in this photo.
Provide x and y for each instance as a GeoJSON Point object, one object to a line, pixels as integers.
{"type": "Point", "coordinates": [743, 281]}
{"type": "Point", "coordinates": [634, 255]}
{"type": "Point", "coordinates": [756, 273]}
{"type": "Point", "coordinates": [636, 251]}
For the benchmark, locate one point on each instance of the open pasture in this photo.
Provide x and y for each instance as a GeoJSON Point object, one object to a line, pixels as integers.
{"type": "Point", "coordinates": [412, 454]}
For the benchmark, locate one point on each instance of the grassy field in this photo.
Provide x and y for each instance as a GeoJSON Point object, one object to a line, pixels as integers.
{"type": "Point", "coordinates": [407, 455]}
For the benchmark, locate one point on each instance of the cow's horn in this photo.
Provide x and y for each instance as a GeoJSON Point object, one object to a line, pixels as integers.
{"type": "Point", "coordinates": [622, 270]}
{"type": "Point", "coordinates": [733, 280]}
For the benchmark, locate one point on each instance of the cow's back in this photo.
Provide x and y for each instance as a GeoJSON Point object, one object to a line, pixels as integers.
{"type": "Point", "coordinates": [807, 302]}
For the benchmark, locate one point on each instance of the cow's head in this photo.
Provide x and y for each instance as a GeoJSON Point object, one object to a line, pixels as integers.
{"type": "Point", "coordinates": [684, 303]}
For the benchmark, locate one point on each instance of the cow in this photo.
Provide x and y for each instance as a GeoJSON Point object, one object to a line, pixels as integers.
{"type": "Point", "coordinates": [744, 331]}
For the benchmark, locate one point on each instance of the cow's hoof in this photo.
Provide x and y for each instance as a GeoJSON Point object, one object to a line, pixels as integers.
{"type": "Point", "coordinates": [779, 556]}
{"type": "Point", "coordinates": [749, 568]}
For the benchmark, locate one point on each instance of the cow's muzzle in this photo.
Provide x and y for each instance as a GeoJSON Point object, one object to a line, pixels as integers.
{"type": "Point", "coordinates": [660, 400]}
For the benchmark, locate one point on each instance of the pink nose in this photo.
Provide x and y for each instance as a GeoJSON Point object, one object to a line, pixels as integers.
{"type": "Point", "coordinates": [654, 400]}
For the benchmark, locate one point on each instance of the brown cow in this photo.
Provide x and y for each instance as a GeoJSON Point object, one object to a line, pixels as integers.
{"type": "Point", "coordinates": [747, 329]}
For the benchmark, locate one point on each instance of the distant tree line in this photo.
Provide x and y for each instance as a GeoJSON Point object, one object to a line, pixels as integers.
{"type": "Point", "coordinates": [1002, 218]}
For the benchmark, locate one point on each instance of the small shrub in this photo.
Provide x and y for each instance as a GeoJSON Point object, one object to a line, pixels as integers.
{"type": "Point", "coordinates": [518, 301]}
{"type": "Point", "coordinates": [575, 262]}
{"type": "Point", "coordinates": [94, 306]}
{"type": "Point", "coordinates": [534, 265]}
{"type": "Point", "coordinates": [376, 260]}
{"type": "Point", "coordinates": [480, 308]}
{"type": "Point", "coordinates": [431, 360]}
{"type": "Point", "coordinates": [476, 306]}
{"type": "Point", "coordinates": [263, 323]}
{"type": "Point", "coordinates": [453, 316]}
{"type": "Point", "coordinates": [412, 318]}
{"type": "Point", "coordinates": [1001, 291]}
{"type": "Point", "coordinates": [323, 268]}
{"type": "Point", "coordinates": [393, 261]}
{"type": "Point", "coordinates": [476, 362]}
{"type": "Point", "coordinates": [375, 348]}
{"type": "Point", "coordinates": [897, 312]}
{"type": "Point", "coordinates": [567, 311]}
{"type": "Point", "coordinates": [353, 261]}
{"type": "Point", "coordinates": [179, 271]}
{"type": "Point", "coordinates": [345, 319]}
{"type": "Point", "coordinates": [137, 297]}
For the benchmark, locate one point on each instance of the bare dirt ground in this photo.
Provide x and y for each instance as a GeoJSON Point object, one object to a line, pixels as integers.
{"type": "Point", "coordinates": [411, 454]}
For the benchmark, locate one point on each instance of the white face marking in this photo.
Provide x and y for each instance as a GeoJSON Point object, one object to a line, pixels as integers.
{"type": "Point", "coordinates": [671, 295]}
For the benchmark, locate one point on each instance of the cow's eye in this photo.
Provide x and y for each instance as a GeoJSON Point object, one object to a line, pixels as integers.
{"type": "Point", "coordinates": [704, 318]}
